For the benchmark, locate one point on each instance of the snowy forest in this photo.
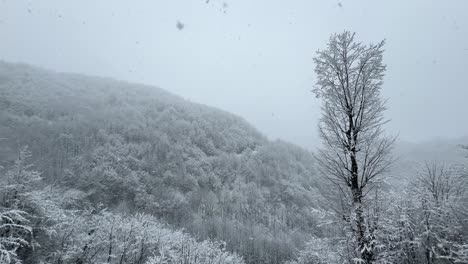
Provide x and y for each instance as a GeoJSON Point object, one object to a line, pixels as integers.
{"type": "Point", "coordinates": [102, 170]}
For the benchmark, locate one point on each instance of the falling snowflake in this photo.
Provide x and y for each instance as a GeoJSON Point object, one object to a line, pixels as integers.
{"type": "Point", "coordinates": [180, 25]}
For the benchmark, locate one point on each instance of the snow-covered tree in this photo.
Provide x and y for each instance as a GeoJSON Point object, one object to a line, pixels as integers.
{"type": "Point", "coordinates": [439, 189]}
{"type": "Point", "coordinates": [15, 233]}
{"type": "Point", "coordinates": [100, 236]}
{"type": "Point", "coordinates": [423, 223]}
{"type": "Point", "coordinates": [15, 229]}
{"type": "Point", "coordinates": [397, 237]}
{"type": "Point", "coordinates": [355, 150]}
{"type": "Point", "coordinates": [321, 251]}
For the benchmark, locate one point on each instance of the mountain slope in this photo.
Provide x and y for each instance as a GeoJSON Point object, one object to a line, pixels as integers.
{"type": "Point", "coordinates": [136, 148]}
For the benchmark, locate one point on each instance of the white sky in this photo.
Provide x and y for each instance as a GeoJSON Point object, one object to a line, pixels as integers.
{"type": "Point", "coordinates": [254, 57]}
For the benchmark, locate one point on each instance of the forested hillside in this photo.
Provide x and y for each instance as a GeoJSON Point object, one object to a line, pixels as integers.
{"type": "Point", "coordinates": [131, 149]}
{"type": "Point", "coordinates": [94, 170]}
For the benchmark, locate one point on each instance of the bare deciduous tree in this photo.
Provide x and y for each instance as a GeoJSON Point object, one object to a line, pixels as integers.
{"type": "Point", "coordinates": [356, 151]}
{"type": "Point", "coordinates": [440, 189]}
{"type": "Point", "coordinates": [441, 181]}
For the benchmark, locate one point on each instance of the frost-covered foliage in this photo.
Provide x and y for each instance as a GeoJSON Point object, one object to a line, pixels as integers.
{"type": "Point", "coordinates": [71, 231]}
{"type": "Point", "coordinates": [397, 237]}
{"type": "Point", "coordinates": [426, 223]}
{"type": "Point", "coordinates": [16, 186]}
{"type": "Point", "coordinates": [19, 181]}
{"type": "Point", "coordinates": [14, 234]}
{"type": "Point", "coordinates": [181, 248]}
{"type": "Point", "coordinates": [322, 251]}
{"type": "Point", "coordinates": [136, 148]}
{"type": "Point", "coordinates": [99, 236]}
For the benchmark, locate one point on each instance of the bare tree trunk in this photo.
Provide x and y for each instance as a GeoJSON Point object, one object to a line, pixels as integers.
{"type": "Point", "coordinates": [109, 253]}
{"type": "Point", "coordinates": [361, 229]}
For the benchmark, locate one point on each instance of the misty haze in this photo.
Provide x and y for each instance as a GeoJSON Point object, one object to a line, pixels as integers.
{"type": "Point", "coordinates": [242, 132]}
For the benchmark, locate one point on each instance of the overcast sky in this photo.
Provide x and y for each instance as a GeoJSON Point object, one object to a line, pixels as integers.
{"type": "Point", "coordinates": [254, 57]}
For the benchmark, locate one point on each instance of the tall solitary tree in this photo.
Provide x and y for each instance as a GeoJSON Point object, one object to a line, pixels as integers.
{"type": "Point", "coordinates": [355, 151]}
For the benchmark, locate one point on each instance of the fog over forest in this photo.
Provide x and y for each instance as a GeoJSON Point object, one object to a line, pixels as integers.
{"type": "Point", "coordinates": [254, 58]}
{"type": "Point", "coordinates": [243, 132]}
